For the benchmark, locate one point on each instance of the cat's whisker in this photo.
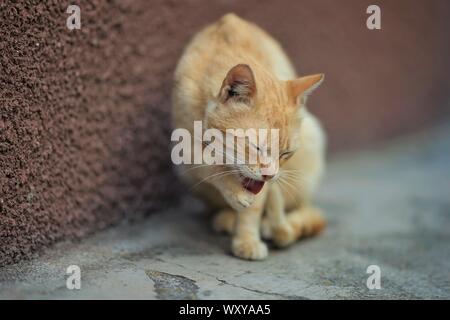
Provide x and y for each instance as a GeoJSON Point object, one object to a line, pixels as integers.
{"type": "Point", "coordinates": [285, 189]}
{"type": "Point", "coordinates": [228, 153]}
{"type": "Point", "coordinates": [295, 179]}
{"type": "Point", "coordinates": [225, 154]}
{"type": "Point", "coordinates": [290, 183]}
{"type": "Point", "coordinates": [216, 175]}
{"type": "Point", "coordinates": [296, 175]}
{"type": "Point", "coordinates": [295, 171]}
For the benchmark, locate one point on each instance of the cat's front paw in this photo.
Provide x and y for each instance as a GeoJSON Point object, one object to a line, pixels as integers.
{"type": "Point", "coordinates": [282, 235]}
{"type": "Point", "coordinates": [245, 199]}
{"type": "Point", "coordinates": [249, 249]}
{"type": "Point", "coordinates": [240, 200]}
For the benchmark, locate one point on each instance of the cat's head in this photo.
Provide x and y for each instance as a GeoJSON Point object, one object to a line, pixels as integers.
{"type": "Point", "coordinates": [257, 100]}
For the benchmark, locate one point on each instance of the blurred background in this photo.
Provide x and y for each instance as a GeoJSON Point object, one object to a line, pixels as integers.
{"type": "Point", "coordinates": [85, 114]}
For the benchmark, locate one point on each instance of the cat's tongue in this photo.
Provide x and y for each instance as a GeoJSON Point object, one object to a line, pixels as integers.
{"type": "Point", "coordinates": [254, 186]}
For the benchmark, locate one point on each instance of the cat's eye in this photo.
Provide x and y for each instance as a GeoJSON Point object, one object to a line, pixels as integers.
{"type": "Point", "coordinates": [286, 155]}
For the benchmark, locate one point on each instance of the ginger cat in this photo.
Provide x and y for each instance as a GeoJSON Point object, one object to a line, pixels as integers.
{"type": "Point", "coordinates": [234, 75]}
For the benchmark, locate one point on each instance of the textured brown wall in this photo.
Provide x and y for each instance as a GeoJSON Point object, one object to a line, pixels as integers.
{"type": "Point", "coordinates": [84, 115]}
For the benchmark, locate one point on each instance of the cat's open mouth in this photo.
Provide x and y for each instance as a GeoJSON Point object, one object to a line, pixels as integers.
{"type": "Point", "coordinates": [254, 186]}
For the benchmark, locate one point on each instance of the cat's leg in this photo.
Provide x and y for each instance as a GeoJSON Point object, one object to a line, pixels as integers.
{"type": "Point", "coordinates": [225, 221]}
{"type": "Point", "coordinates": [306, 221]}
{"type": "Point", "coordinates": [275, 225]}
{"type": "Point", "coordinates": [246, 241]}
{"type": "Point", "coordinates": [281, 227]}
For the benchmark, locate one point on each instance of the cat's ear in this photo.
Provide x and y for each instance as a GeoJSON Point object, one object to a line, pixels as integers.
{"type": "Point", "coordinates": [239, 85]}
{"type": "Point", "coordinates": [304, 86]}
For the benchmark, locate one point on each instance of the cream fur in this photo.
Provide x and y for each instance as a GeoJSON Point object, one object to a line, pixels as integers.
{"type": "Point", "coordinates": [287, 204]}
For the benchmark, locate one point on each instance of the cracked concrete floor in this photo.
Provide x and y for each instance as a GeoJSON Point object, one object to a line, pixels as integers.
{"type": "Point", "coordinates": [388, 207]}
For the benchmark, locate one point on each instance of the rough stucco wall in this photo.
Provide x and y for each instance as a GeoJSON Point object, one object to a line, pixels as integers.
{"type": "Point", "coordinates": [84, 115]}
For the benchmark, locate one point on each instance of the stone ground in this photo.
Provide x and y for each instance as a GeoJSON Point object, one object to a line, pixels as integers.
{"type": "Point", "coordinates": [389, 206]}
